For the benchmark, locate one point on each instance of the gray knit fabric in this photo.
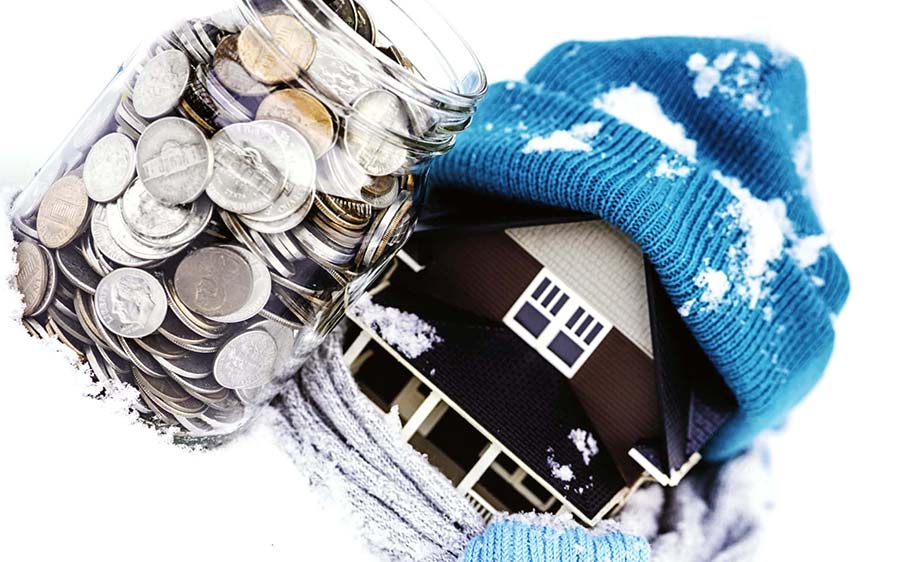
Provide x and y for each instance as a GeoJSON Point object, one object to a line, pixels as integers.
{"type": "Point", "coordinates": [410, 511]}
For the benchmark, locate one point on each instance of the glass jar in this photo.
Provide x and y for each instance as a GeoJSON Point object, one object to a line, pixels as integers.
{"type": "Point", "coordinates": [242, 180]}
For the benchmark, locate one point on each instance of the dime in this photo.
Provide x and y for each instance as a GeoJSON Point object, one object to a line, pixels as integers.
{"type": "Point", "coordinates": [174, 160]}
{"type": "Point", "coordinates": [378, 114]}
{"type": "Point", "coordinates": [276, 49]}
{"type": "Point", "coordinates": [214, 281]}
{"type": "Point", "coordinates": [364, 25]}
{"type": "Point", "coordinates": [63, 212]}
{"type": "Point", "coordinates": [303, 112]}
{"type": "Point", "coordinates": [161, 84]}
{"type": "Point", "coordinates": [230, 71]}
{"type": "Point", "coordinates": [131, 303]}
{"type": "Point", "coordinates": [32, 277]}
{"type": "Point", "coordinates": [246, 360]}
{"type": "Point", "coordinates": [245, 179]}
{"type": "Point", "coordinates": [109, 167]}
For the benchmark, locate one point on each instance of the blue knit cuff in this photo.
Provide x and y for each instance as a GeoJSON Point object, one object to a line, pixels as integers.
{"type": "Point", "coordinates": [514, 540]}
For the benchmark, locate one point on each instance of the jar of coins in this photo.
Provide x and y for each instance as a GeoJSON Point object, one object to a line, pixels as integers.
{"type": "Point", "coordinates": [245, 178]}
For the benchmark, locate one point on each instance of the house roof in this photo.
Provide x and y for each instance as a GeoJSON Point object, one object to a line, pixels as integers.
{"type": "Point", "coordinates": [514, 395]}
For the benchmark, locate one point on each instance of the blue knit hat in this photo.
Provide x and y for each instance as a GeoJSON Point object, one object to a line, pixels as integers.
{"type": "Point", "coordinates": [698, 149]}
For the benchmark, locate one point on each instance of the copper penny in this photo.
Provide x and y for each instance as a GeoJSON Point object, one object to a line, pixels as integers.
{"type": "Point", "coordinates": [305, 113]}
{"type": "Point", "coordinates": [63, 212]}
{"type": "Point", "coordinates": [276, 49]}
{"type": "Point", "coordinates": [32, 278]}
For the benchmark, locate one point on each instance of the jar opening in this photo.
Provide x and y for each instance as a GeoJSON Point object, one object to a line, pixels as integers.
{"type": "Point", "coordinates": [449, 73]}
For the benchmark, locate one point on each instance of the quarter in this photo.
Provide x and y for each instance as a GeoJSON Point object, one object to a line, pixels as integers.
{"type": "Point", "coordinates": [214, 281]}
{"type": "Point", "coordinates": [109, 168]}
{"type": "Point", "coordinates": [246, 360]}
{"type": "Point", "coordinates": [161, 84]}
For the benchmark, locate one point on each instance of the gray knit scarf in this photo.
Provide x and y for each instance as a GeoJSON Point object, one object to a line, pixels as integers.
{"type": "Point", "coordinates": [410, 511]}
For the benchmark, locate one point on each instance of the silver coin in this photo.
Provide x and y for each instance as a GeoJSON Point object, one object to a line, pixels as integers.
{"type": "Point", "coordinates": [378, 115]}
{"type": "Point", "coordinates": [174, 160]}
{"type": "Point", "coordinates": [102, 238]}
{"type": "Point", "coordinates": [284, 338]}
{"type": "Point", "coordinates": [246, 176]}
{"type": "Point", "coordinates": [301, 165]}
{"type": "Point", "coordinates": [148, 216]}
{"type": "Point", "coordinates": [335, 76]}
{"type": "Point", "coordinates": [131, 303]}
{"type": "Point", "coordinates": [128, 240]}
{"type": "Point", "coordinates": [199, 214]}
{"type": "Point", "coordinates": [109, 168]}
{"type": "Point", "coordinates": [75, 269]}
{"type": "Point", "coordinates": [161, 84]}
{"type": "Point", "coordinates": [281, 225]}
{"type": "Point", "coordinates": [261, 289]}
{"type": "Point", "coordinates": [214, 281]}
{"type": "Point", "coordinates": [246, 360]}
{"type": "Point", "coordinates": [339, 176]}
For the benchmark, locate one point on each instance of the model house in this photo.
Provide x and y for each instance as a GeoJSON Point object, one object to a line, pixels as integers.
{"type": "Point", "coordinates": [562, 376]}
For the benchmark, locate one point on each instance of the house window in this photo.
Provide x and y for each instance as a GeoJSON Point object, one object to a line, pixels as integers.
{"type": "Point", "coordinates": [557, 323]}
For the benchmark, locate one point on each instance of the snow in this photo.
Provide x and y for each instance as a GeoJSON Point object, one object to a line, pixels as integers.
{"type": "Point", "coordinates": [733, 77]}
{"type": "Point", "coordinates": [561, 472]}
{"type": "Point", "coordinates": [641, 109]}
{"type": "Point", "coordinates": [405, 331]}
{"type": "Point", "coordinates": [807, 250]}
{"type": "Point", "coordinates": [586, 444]}
{"type": "Point", "coordinates": [81, 475]}
{"type": "Point", "coordinates": [715, 285]}
{"type": "Point", "coordinates": [573, 140]}
{"type": "Point", "coordinates": [671, 168]}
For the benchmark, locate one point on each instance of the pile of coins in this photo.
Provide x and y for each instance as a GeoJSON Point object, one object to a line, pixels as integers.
{"type": "Point", "coordinates": [225, 208]}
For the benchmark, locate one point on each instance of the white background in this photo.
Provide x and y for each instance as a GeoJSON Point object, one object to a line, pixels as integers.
{"type": "Point", "coordinates": [73, 479]}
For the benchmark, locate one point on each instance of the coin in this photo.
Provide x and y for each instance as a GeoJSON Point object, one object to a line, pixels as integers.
{"type": "Point", "coordinates": [102, 238]}
{"type": "Point", "coordinates": [245, 178]}
{"type": "Point", "coordinates": [32, 277]}
{"type": "Point", "coordinates": [109, 168]}
{"type": "Point", "coordinates": [62, 213]}
{"type": "Point", "coordinates": [297, 157]}
{"type": "Point", "coordinates": [75, 269]}
{"type": "Point", "coordinates": [258, 296]}
{"type": "Point", "coordinates": [214, 281]}
{"type": "Point", "coordinates": [276, 48]}
{"type": "Point", "coordinates": [346, 10]}
{"type": "Point", "coordinates": [364, 25]}
{"type": "Point", "coordinates": [303, 112]}
{"type": "Point", "coordinates": [131, 303]}
{"type": "Point", "coordinates": [337, 77]}
{"type": "Point", "coordinates": [161, 84]}
{"type": "Point", "coordinates": [174, 160]}
{"type": "Point", "coordinates": [246, 360]}
{"type": "Point", "coordinates": [230, 71]}
{"type": "Point", "coordinates": [378, 115]}
{"type": "Point", "coordinates": [148, 216]}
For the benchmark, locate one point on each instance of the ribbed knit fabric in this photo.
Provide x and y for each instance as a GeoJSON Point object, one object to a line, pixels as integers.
{"type": "Point", "coordinates": [724, 215]}
{"type": "Point", "coordinates": [541, 538]}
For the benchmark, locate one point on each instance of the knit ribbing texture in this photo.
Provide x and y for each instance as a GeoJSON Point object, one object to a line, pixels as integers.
{"type": "Point", "coordinates": [723, 213]}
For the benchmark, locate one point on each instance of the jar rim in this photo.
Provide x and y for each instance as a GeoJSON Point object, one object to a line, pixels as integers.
{"type": "Point", "coordinates": [455, 99]}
